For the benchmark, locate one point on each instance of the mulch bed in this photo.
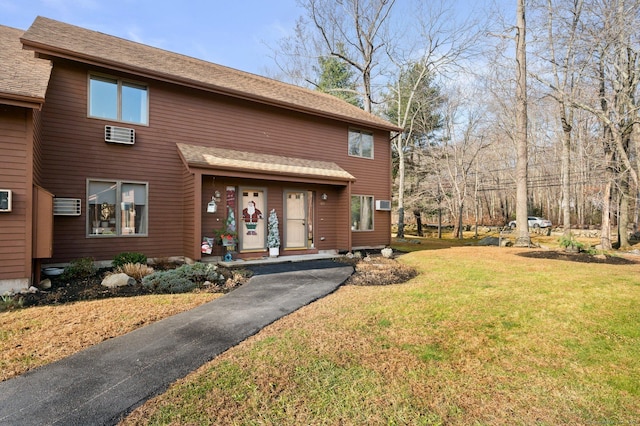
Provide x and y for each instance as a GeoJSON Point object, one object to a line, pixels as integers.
{"type": "Point", "coordinates": [578, 257]}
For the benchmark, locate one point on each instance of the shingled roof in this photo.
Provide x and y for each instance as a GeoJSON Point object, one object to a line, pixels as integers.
{"type": "Point", "coordinates": [23, 78]}
{"type": "Point", "coordinates": [228, 159]}
{"type": "Point", "coordinates": [52, 38]}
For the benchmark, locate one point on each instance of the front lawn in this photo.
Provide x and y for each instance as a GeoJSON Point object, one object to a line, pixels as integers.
{"type": "Point", "coordinates": [482, 335]}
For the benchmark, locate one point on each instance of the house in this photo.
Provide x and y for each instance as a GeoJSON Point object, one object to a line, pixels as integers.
{"type": "Point", "coordinates": [113, 146]}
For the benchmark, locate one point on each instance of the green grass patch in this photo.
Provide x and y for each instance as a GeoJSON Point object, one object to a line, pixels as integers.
{"type": "Point", "coordinates": [480, 336]}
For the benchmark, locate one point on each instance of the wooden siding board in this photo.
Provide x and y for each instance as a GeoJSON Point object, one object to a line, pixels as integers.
{"type": "Point", "coordinates": [15, 233]}
{"type": "Point", "coordinates": [185, 115]}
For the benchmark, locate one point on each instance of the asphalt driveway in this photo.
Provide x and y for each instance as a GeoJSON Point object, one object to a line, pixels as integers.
{"type": "Point", "coordinates": [102, 384]}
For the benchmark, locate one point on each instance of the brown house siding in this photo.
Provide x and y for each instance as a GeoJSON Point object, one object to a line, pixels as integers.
{"type": "Point", "coordinates": [189, 218]}
{"type": "Point", "coordinates": [16, 132]}
{"type": "Point", "coordinates": [74, 150]}
{"type": "Point", "coordinates": [37, 147]}
{"type": "Point", "coordinates": [377, 184]}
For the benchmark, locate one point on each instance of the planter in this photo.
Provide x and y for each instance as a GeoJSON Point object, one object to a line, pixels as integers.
{"type": "Point", "coordinates": [274, 251]}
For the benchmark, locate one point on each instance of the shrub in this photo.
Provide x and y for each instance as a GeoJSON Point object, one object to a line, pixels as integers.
{"type": "Point", "coordinates": [135, 270]}
{"type": "Point", "coordinates": [570, 243]}
{"type": "Point", "coordinates": [8, 303]}
{"type": "Point", "coordinates": [183, 279]}
{"type": "Point", "coordinates": [168, 282]}
{"type": "Point", "coordinates": [79, 269]}
{"type": "Point", "coordinates": [128, 257]}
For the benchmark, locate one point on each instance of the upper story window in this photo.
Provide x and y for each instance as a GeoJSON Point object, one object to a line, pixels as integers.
{"type": "Point", "coordinates": [118, 100]}
{"type": "Point", "coordinates": [360, 144]}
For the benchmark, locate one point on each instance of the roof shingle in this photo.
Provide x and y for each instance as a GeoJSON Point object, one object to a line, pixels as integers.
{"type": "Point", "coordinates": [59, 39]}
{"type": "Point", "coordinates": [228, 159]}
{"type": "Point", "coordinates": [23, 77]}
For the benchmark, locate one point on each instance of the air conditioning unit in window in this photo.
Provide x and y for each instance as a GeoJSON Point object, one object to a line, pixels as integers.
{"type": "Point", "coordinates": [122, 135]}
{"type": "Point", "coordinates": [383, 205]}
{"type": "Point", "coordinates": [67, 207]}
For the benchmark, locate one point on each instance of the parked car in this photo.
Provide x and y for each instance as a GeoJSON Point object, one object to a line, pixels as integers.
{"type": "Point", "coordinates": [534, 222]}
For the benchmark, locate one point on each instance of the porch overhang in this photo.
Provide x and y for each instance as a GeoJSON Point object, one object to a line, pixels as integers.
{"type": "Point", "coordinates": [242, 164]}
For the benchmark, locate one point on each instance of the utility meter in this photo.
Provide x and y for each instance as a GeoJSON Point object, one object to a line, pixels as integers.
{"type": "Point", "coordinates": [5, 200]}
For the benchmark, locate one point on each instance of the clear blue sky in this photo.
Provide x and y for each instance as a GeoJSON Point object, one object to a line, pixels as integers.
{"type": "Point", "coordinates": [233, 33]}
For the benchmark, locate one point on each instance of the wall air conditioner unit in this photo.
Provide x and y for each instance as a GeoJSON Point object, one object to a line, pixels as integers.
{"type": "Point", "coordinates": [383, 205]}
{"type": "Point", "coordinates": [122, 135]}
{"type": "Point", "coordinates": [5, 200]}
{"type": "Point", "coordinates": [67, 207]}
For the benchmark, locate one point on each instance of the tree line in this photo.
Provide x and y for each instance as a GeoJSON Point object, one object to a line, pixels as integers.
{"type": "Point", "coordinates": [497, 120]}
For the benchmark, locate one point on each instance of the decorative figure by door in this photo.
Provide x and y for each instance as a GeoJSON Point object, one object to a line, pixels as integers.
{"type": "Point", "coordinates": [251, 215]}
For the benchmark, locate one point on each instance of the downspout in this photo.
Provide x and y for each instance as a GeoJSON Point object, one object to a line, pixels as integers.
{"type": "Point", "coordinates": [349, 232]}
{"type": "Point", "coordinates": [197, 212]}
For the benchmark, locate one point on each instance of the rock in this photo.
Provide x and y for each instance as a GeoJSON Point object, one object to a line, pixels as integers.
{"type": "Point", "coordinates": [387, 252]}
{"type": "Point", "coordinates": [489, 241]}
{"type": "Point", "coordinates": [118, 280]}
{"type": "Point", "coordinates": [600, 257]}
{"type": "Point", "coordinates": [45, 284]}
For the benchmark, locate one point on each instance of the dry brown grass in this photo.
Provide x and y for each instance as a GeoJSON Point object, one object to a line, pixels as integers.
{"type": "Point", "coordinates": [381, 271]}
{"type": "Point", "coordinates": [36, 336]}
{"type": "Point", "coordinates": [481, 336]}
{"type": "Point", "coordinates": [135, 270]}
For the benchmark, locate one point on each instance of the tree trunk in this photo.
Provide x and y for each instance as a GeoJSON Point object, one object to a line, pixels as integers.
{"type": "Point", "coordinates": [418, 217]}
{"type": "Point", "coordinates": [401, 179]}
{"type": "Point", "coordinates": [523, 239]}
{"type": "Point", "coordinates": [566, 170]}
{"type": "Point", "coordinates": [605, 230]}
{"type": "Point", "coordinates": [623, 207]}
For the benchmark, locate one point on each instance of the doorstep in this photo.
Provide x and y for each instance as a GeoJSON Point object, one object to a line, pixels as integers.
{"type": "Point", "coordinates": [328, 254]}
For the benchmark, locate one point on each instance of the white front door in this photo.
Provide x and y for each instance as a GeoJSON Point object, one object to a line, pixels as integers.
{"type": "Point", "coordinates": [252, 224]}
{"type": "Point", "coordinates": [295, 231]}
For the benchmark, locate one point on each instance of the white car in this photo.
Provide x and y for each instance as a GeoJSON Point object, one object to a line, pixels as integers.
{"type": "Point", "coordinates": [534, 222]}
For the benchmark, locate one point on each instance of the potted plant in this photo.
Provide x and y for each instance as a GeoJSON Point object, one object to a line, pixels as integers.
{"type": "Point", "coordinates": [225, 237]}
{"type": "Point", "coordinates": [273, 234]}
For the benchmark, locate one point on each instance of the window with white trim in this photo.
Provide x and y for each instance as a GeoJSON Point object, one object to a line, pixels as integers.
{"type": "Point", "coordinates": [117, 208]}
{"type": "Point", "coordinates": [118, 100]}
{"type": "Point", "coordinates": [360, 144]}
{"type": "Point", "coordinates": [362, 213]}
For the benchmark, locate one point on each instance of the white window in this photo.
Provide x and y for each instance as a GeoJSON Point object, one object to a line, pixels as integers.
{"type": "Point", "coordinates": [360, 144]}
{"type": "Point", "coordinates": [116, 208]}
{"type": "Point", "coordinates": [117, 100]}
{"type": "Point", "coordinates": [362, 213]}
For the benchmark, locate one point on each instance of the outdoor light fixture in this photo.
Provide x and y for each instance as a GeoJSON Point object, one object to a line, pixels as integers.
{"type": "Point", "coordinates": [324, 196]}
{"type": "Point", "coordinates": [212, 207]}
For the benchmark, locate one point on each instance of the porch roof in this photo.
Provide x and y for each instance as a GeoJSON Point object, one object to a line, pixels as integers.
{"type": "Point", "coordinates": [273, 165]}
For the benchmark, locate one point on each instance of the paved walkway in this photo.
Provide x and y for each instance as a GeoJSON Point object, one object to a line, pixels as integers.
{"type": "Point", "coordinates": [102, 384]}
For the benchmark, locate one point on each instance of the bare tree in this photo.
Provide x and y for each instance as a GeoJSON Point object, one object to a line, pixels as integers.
{"type": "Point", "coordinates": [353, 31]}
{"type": "Point", "coordinates": [522, 228]}
{"type": "Point", "coordinates": [440, 48]}
{"type": "Point", "coordinates": [559, 54]}
{"type": "Point", "coordinates": [456, 156]}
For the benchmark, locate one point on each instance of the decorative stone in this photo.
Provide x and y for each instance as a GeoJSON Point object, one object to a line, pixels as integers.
{"type": "Point", "coordinates": [489, 241]}
{"type": "Point", "coordinates": [118, 280]}
{"type": "Point", "coordinates": [45, 284]}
